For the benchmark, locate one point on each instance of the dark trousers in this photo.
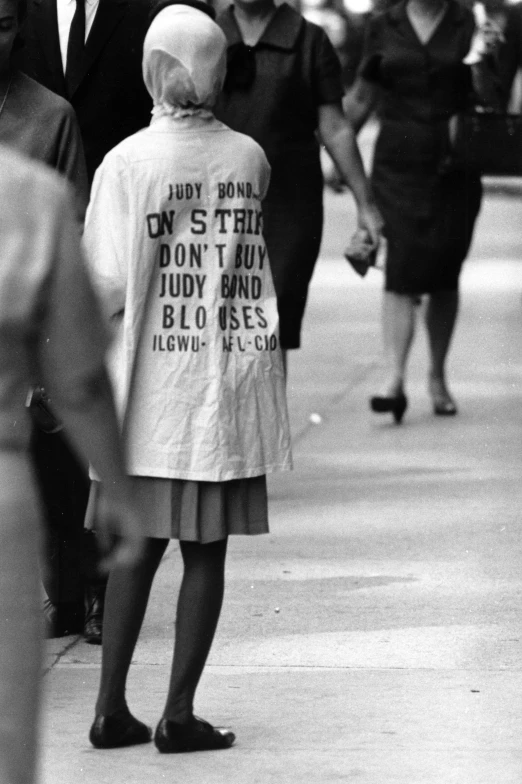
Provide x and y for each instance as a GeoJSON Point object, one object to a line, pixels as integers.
{"type": "Point", "coordinates": [71, 553]}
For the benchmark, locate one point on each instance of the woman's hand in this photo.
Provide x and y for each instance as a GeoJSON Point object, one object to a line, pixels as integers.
{"type": "Point", "coordinates": [486, 39]}
{"type": "Point", "coordinates": [119, 528]}
{"type": "Point", "coordinates": [492, 36]}
{"type": "Point", "coordinates": [370, 219]}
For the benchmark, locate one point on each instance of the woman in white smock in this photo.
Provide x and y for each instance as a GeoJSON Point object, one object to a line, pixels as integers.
{"type": "Point", "coordinates": [174, 239]}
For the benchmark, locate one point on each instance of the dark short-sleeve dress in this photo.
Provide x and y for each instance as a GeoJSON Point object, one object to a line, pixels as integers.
{"type": "Point", "coordinates": [429, 209]}
{"type": "Point", "coordinates": [272, 93]}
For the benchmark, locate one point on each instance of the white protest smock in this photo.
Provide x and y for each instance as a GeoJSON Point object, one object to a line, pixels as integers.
{"type": "Point", "coordinates": [174, 241]}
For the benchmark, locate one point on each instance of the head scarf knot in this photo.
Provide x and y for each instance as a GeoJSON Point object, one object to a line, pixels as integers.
{"type": "Point", "coordinates": [184, 62]}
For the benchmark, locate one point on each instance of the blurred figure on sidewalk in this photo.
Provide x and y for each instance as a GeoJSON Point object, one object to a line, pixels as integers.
{"type": "Point", "coordinates": [284, 87]}
{"type": "Point", "coordinates": [50, 330]}
{"type": "Point", "coordinates": [510, 58]}
{"type": "Point", "coordinates": [413, 70]}
{"type": "Point", "coordinates": [89, 52]}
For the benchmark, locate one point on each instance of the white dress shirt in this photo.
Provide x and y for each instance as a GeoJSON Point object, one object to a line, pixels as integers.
{"type": "Point", "coordinates": [65, 10]}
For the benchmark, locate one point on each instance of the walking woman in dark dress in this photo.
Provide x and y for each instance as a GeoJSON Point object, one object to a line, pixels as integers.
{"type": "Point", "coordinates": [413, 65]}
{"type": "Point", "coordinates": [283, 85]}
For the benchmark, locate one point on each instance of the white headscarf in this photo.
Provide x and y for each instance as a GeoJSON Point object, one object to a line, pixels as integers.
{"type": "Point", "coordinates": [184, 62]}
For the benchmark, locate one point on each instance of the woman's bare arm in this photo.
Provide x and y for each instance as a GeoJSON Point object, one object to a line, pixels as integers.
{"type": "Point", "coordinates": [339, 138]}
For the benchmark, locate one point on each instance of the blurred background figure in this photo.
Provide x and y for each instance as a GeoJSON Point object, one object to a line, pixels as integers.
{"type": "Point", "coordinates": [344, 22]}
{"type": "Point", "coordinates": [413, 71]}
{"type": "Point", "coordinates": [88, 52]}
{"type": "Point", "coordinates": [49, 330]}
{"type": "Point", "coordinates": [507, 14]}
{"type": "Point", "coordinates": [510, 55]}
{"type": "Point", "coordinates": [284, 88]}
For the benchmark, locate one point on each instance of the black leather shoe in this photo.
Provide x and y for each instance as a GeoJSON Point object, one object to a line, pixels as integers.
{"type": "Point", "coordinates": [396, 405]}
{"type": "Point", "coordinates": [62, 619]}
{"type": "Point", "coordinates": [196, 735]}
{"type": "Point", "coordinates": [93, 626]}
{"type": "Point", "coordinates": [120, 729]}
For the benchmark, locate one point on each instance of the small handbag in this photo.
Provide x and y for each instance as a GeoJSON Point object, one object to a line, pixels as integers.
{"type": "Point", "coordinates": [486, 141]}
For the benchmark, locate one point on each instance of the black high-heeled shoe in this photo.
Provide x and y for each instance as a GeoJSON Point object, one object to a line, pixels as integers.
{"type": "Point", "coordinates": [119, 729]}
{"type": "Point", "coordinates": [195, 735]}
{"type": "Point", "coordinates": [393, 404]}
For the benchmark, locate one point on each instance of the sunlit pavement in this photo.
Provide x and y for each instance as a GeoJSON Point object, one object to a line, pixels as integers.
{"type": "Point", "coordinates": [375, 635]}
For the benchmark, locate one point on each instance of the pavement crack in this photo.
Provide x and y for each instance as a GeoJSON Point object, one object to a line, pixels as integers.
{"type": "Point", "coordinates": [61, 654]}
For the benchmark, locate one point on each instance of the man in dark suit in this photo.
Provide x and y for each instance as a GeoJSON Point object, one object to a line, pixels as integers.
{"type": "Point", "coordinates": [89, 52]}
{"type": "Point", "coordinates": [102, 79]}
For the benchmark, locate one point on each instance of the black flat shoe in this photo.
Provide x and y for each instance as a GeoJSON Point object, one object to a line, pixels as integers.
{"type": "Point", "coordinates": [119, 729]}
{"type": "Point", "coordinates": [195, 735]}
{"type": "Point", "coordinates": [392, 404]}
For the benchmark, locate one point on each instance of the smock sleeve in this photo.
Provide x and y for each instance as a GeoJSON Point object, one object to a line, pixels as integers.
{"type": "Point", "coordinates": [370, 65]}
{"type": "Point", "coordinates": [72, 339]}
{"type": "Point", "coordinates": [327, 82]}
{"type": "Point", "coordinates": [106, 237]}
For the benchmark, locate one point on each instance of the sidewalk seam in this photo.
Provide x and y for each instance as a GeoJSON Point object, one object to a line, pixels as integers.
{"type": "Point", "coordinates": [362, 371]}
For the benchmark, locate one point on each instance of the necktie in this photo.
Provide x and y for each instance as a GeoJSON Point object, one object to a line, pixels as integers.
{"type": "Point", "coordinates": [75, 48]}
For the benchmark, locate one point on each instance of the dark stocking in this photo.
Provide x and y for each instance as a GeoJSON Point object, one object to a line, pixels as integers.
{"type": "Point", "coordinates": [199, 606]}
{"type": "Point", "coordinates": [126, 600]}
{"type": "Point", "coordinates": [441, 316]}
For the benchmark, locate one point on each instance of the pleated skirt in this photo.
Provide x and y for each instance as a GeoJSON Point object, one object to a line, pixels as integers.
{"type": "Point", "coordinates": [194, 511]}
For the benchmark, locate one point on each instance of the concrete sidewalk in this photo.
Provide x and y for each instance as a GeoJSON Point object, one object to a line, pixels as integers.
{"type": "Point", "coordinates": [375, 635]}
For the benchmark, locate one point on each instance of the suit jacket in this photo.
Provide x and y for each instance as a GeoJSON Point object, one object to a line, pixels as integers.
{"type": "Point", "coordinates": [110, 99]}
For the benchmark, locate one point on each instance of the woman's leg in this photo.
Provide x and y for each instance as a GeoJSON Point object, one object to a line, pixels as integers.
{"type": "Point", "coordinates": [126, 600]}
{"type": "Point", "coordinates": [199, 607]}
{"type": "Point", "coordinates": [398, 326]}
{"type": "Point", "coordinates": [441, 316]}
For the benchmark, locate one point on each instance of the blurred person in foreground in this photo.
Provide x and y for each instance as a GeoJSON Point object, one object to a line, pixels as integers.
{"type": "Point", "coordinates": [49, 330]}
{"type": "Point", "coordinates": [43, 126]}
{"type": "Point", "coordinates": [88, 52]}
{"type": "Point", "coordinates": [413, 70]}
